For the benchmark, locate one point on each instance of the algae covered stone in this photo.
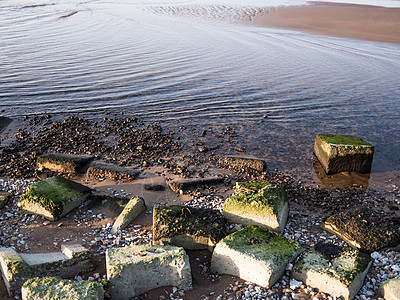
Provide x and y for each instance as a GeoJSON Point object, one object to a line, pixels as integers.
{"type": "Point", "coordinates": [334, 270]}
{"type": "Point", "coordinates": [390, 289]}
{"type": "Point", "coordinates": [54, 288]}
{"type": "Point", "coordinates": [53, 198]}
{"type": "Point", "coordinates": [63, 163]}
{"type": "Point", "coordinates": [343, 153]}
{"type": "Point", "coordinates": [132, 209]}
{"type": "Point", "coordinates": [258, 203]}
{"type": "Point", "coordinates": [188, 227]}
{"type": "Point", "coordinates": [255, 254]}
{"type": "Point", "coordinates": [136, 269]}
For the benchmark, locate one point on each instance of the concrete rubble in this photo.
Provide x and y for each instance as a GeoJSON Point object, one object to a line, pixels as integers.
{"type": "Point", "coordinates": [63, 163]}
{"type": "Point", "coordinates": [132, 209]}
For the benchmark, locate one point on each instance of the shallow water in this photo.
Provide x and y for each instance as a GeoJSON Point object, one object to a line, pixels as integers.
{"type": "Point", "coordinates": [154, 61]}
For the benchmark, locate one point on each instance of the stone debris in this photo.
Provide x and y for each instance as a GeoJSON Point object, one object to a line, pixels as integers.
{"type": "Point", "coordinates": [390, 289]}
{"type": "Point", "coordinates": [63, 163]}
{"type": "Point", "coordinates": [334, 270]}
{"type": "Point", "coordinates": [182, 185]}
{"type": "Point", "coordinates": [134, 270]}
{"type": "Point", "coordinates": [55, 288]}
{"type": "Point", "coordinates": [102, 170]}
{"type": "Point", "coordinates": [4, 197]}
{"type": "Point", "coordinates": [258, 203]}
{"type": "Point", "coordinates": [364, 229]}
{"type": "Point", "coordinates": [343, 153]}
{"type": "Point", "coordinates": [243, 163]}
{"type": "Point", "coordinates": [255, 254]}
{"type": "Point", "coordinates": [188, 227]}
{"type": "Point", "coordinates": [53, 198]}
{"type": "Point", "coordinates": [132, 209]}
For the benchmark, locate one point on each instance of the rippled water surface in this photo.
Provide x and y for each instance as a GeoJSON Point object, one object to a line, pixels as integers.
{"type": "Point", "coordinates": [181, 64]}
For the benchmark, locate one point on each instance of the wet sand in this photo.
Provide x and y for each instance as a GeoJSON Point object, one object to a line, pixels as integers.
{"type": "Point", "coordinates": [362, 22]}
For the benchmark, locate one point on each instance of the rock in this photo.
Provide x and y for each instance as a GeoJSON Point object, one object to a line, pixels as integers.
{"type": "Point", "coordinates": [203, 149]}
{"type": "Point", "coordinates": [136, 269]}
{"type": "Point", "coordinates": [258, 203]}
{"type": "Point", "coordinates": [4, 122]}
{"type": "Point", "coordinates": [154, 187]}
{"type": "Point", "coordinates": [254, 254]}
{"type": "Point", "coordinates": [343, 153]}
{"type": "Point", "coordinates": [178, 185]}
{"type": "Point", "coordinates": [363, 229]}
{"type": "Point", "coordinates": [55, 288]}
{"type": "Point", "coordinates": [63, 163]}
{"type": "Point", "coordinates": [390, 289]}
{"type": "Point", "coordinates": [243, 163]}
{"type": "Point", "coordinates": [4, 197]}
{"type": "Point", "coordinates": [188, 227]}
{"type": "Point", "coordinates": [53, 198]}
{"type": "Point", "coordinates": [132, 209]}
{"type": "Point", "coordinates": [99, 170]}
{"type": "Point", "coordinates": [333, 270]}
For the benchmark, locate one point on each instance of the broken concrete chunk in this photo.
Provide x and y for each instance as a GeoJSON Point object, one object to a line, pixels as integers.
{"type": "Point", "coordinates": [364, 229]}
{"type": "Point", "coordinates": [55, 288]}
{"type": "Point", "coordinates": [255, 254]}
{"type": "Point", "coordinates": [258, 203]}
{"type": "Point", "coordinates": [188, 227]}
{"type": "Point", "coordinates": [4, 197]}
{"type": "Point", "coordinates": [132, 209]}
{"type": "Point", "coordinates": [343, 153]}
{"type": "Point", "coordinates": [243, 163]}
{"type": "Point", "coordinates": [63, 163]}
{"type": "Point", "coordinates": [136, 269]}
{"type": "Point", "coordinates": [390, 289]}
{"type": "Point", "coordinates": [333, 270]}
{"type": "Point", "coordinates": [75, 251]}
{"type": "Point", "coordinates": [53, 198]}
{"type": "Point", "coordinates": [178, 185]}
{"type": "Point", "coordinates": [101, 170]}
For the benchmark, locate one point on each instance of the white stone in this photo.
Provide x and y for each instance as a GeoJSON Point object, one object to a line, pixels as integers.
{"type": "Point", "coordinates": [390, 289]}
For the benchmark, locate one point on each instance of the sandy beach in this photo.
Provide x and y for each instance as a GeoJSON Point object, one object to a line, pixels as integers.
{"type": "Point", "coordinates": [362, 22]}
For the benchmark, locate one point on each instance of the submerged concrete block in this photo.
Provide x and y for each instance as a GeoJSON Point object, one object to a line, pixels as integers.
{"type": "Point", "coordinates": [333, 270]}
{"type": "Point", "coordinates": [54, 288]}
{"type": "Point", "coordinates": [53, 198]}
{"type": "Point", "coordinates": [255, 254]}
{"type": "Point", "coordinates": [243, 163]}
{"type": "Point", "coordinates": [343, 153]}
{"type": "Point", "coordinates": [101, 170]}
{"type": "Point", "coordinates": [258, 203]}
{"type": "Point", "coordinates": [188, 227]}
{"type": "Point", "coordinates": [136, 269]}
{"type": "Point", "coordinates": [132, 209]}
{"type": "Point", "coordinates": [63, 163]}
{"type": "Point", "coordinates": [178, 185]}
{"type": "Point", "coordinates": [4, 197]}
{"type": "Point", "coordinates": [390, 289]}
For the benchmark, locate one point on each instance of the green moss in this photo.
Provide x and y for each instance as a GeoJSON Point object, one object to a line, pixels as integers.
{"type": "Point", "coordinates": [342, 140]}
{"type": "Point", "coordinates": [106, 285]}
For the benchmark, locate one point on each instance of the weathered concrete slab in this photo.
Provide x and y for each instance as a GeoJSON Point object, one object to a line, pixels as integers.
{"type": "Point", "coordinates": [390, 289]}
{"type": "Point", "coordinates": [54, 288]}
{"type": "Point", "coordinates": [364, 229]}
{"type": "Point", "coordinates": [4, 197]}
{"type": "Point", "coordinates": [132, 209]}
{"type": "Point", "coordinates": [178, 185]}
{"type": "Point", "coordinates": [53, 198]}
{"type": "Point", "coordinates": [343, 153]}
{"type": "Point", "coordinates": [63, 163]}
{"type": "Point", "coordinates": [136, 269]}
{"type": "Point", "coordinates": [254, 254]}
{"type": "Point", "coordinates": [333, 270]}
{"type": "Point", "coordinates": [188, 227]}
{"type": "Point", "coordinates": [17, 268]}
{"type": "Point", "coordinates": [258, 203]}
{"type": "Point", "coordinates": [243, 163]}
{"type": "Point", "coordinates": [101, 170]}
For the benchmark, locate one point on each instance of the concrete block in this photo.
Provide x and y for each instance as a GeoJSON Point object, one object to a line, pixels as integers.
{"type": "Point", "coordinates": [390, 289]}
{"type": "Point", "coordinates": [183, 185]}
{"type": "Point", "coordinates": [132, 209]}
{"type": "Point", "coordinates": [102, 170]}
{"type": "Point", "coordinates": [63, 163]}
{"type": "Point", "coordinates": [243, 163]}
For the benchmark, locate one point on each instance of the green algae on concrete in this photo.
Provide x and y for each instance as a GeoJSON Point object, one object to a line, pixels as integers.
{"type": "Point", "coordinates": [136, 269]}
{"type": "Point", "coordinates": [258, 203]}
{"type": "Point", "coordinates": [63, 163]}
{"type": "Point", "coordinates": [53, 198]}
{"type": "Point", "coordinates": [340, 274]}
{"type": "Point", "coordinates": [55, 288]}
{"type": "Point", "coordinates": [343, 153]}
{"type": "Point", "coordinates": [189, 227]}
{"type": "Point", "coordinates": [390, 289]}
{"type": "Point", "coordinates": [255, 254]}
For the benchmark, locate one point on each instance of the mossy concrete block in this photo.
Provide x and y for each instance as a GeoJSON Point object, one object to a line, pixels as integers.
{"type": "Point", "coordinates": [255, 254]}
{"type": "Point", "coordinates": [363, 229]}
{"type": "Point", "coordinates": [390, 289]}
{"type": "Point", "coordinates": [178, 185]}
{"type": "Point", "coordinates": [53, 198]}
{"type": "Point", "coordinates": [63, 163]}
{"type": "Point", "coordinates": [132, 209]}
{"type": "Point", "coordinates": [258, 203]}
{"type": "Point", "coordinates": [4, 197]}
{"type": "Point", "coordinates": [75, 251]}
{"type": "Point", "coordinates": [136, 269]}
{"type": "Point", "coordinates": [55, 288]}
{"type": "Point", "coordinates": [102, 170]}
{"type": "Point", "coordinates": [188, 227]}
{"type": "Point", "coordinates": [243, 163]}
{"type": "Point", "coordinates": [333, 270]}
{"type": "Point", "coordinates": [343, 153]}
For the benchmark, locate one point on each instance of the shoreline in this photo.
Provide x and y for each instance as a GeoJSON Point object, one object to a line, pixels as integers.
{"type": "Point", "coordinates": [363, 22]}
